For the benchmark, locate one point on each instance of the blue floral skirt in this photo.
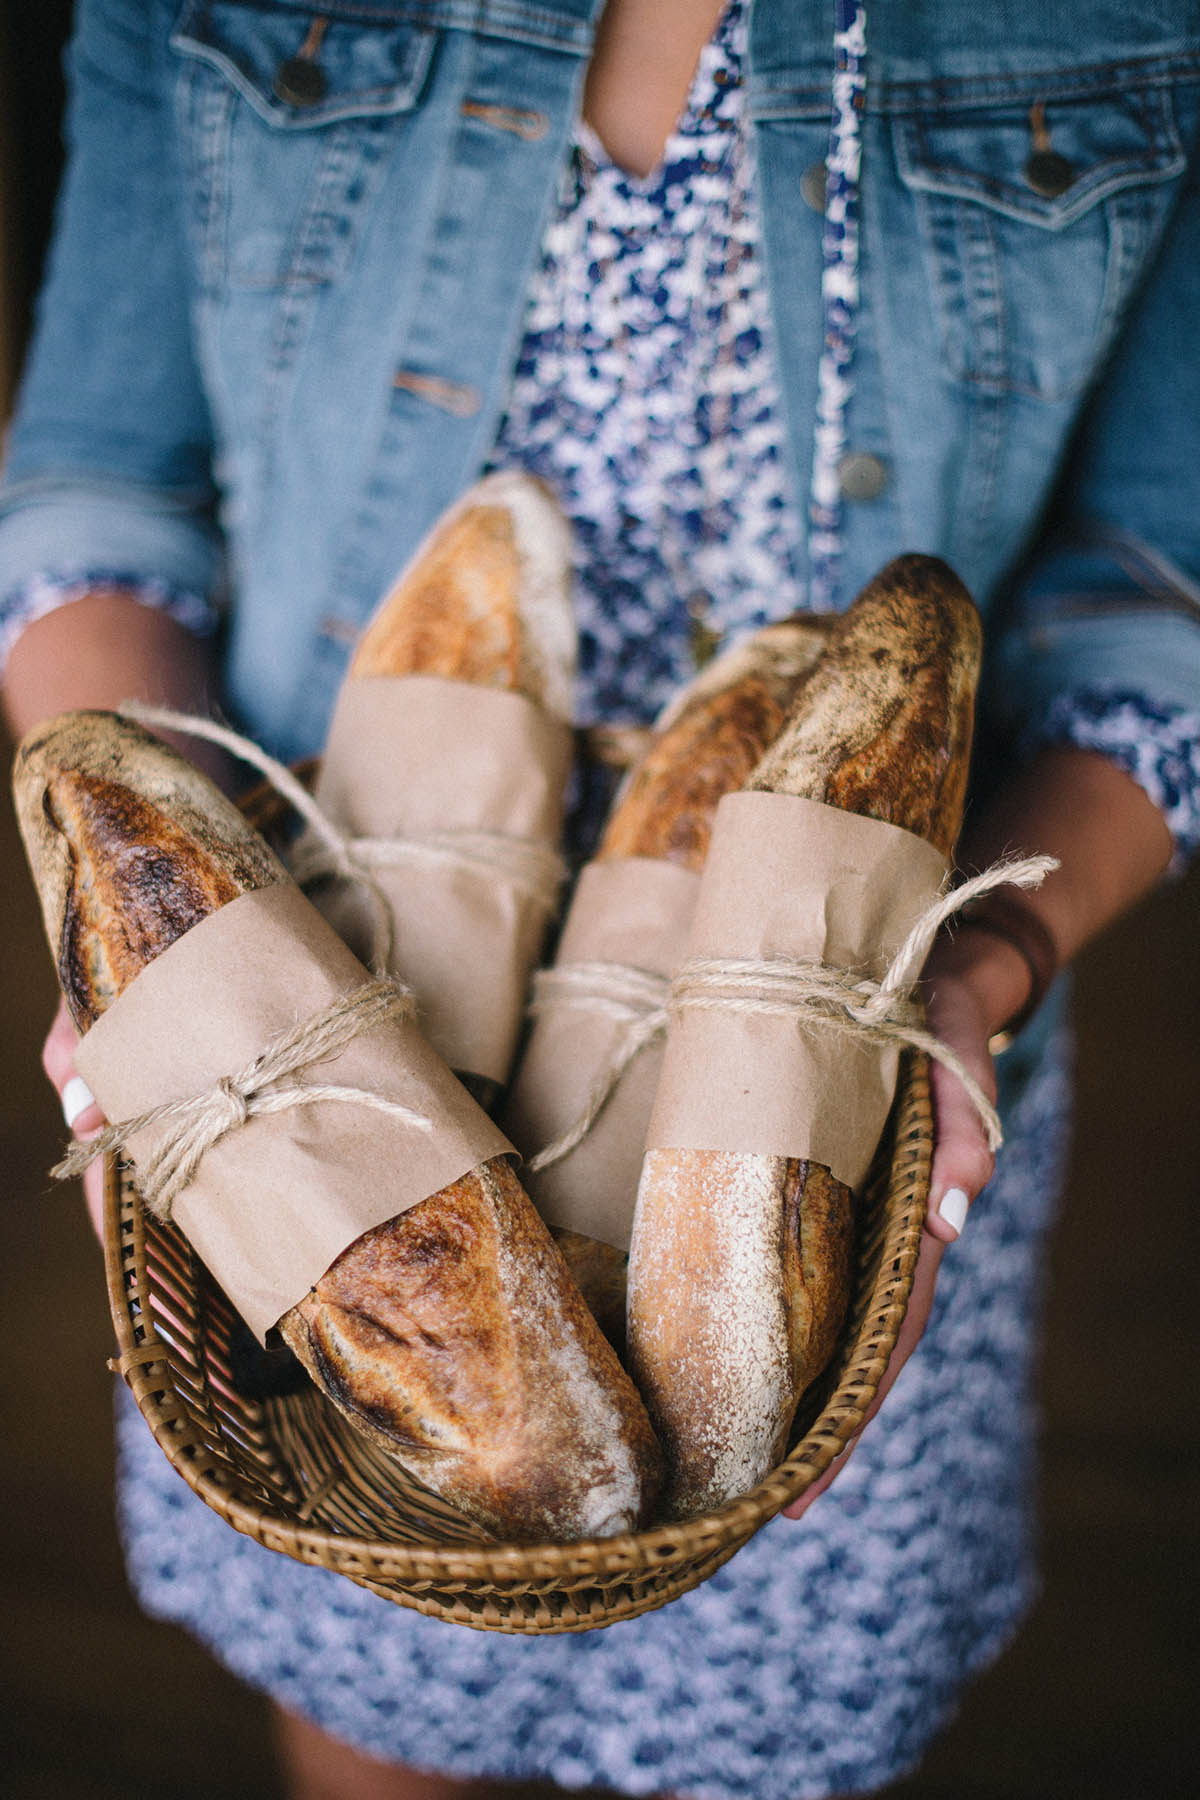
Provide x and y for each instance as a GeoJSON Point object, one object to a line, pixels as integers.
{"type": "Point", "coordinates": [821, 1660]}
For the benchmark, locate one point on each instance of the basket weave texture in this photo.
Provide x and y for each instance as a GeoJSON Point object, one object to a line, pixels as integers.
{"type": "Point", "coordinates": [291, 1473]}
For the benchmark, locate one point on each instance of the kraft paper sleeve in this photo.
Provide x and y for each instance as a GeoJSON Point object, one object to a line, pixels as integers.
{"type": "Point", "coordinates": [791, 878]}
{"type": "Point", "coordinates": [414, 754]}
{"type": "Point", "coordinates": [277, 1199]}
{"type": "Point", "coordinates": [633, 911]}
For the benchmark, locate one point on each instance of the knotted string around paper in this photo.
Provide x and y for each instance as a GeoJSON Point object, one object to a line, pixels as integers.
{"type": "Point", "coordinates": [262, 1086]}
{"type": "Point", "coordinates": [536, 869]}
{"type": "Point", "coordinates": [815, 994]}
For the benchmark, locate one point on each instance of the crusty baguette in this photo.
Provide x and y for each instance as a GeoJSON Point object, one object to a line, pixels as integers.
{"type": "Point", "coordinates": [706, 743]}
{"type": "Point", "coordinates": [486, 601]}
{"type": "Point", "coordinates": [452, 1335]}
{"type": "Point", "coordinates": [741, 1265]}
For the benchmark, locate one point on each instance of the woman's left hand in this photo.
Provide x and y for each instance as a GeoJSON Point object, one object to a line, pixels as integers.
{"type": "Point", "coordinates": [964, 984]}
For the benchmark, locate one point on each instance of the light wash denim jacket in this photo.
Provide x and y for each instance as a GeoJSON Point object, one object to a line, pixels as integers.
{"type": "Point", "coordinates": [277, 337]}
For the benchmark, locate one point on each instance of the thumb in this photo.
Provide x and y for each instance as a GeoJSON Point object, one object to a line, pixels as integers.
{"type": "Point", "coordinates": [80, 1111]}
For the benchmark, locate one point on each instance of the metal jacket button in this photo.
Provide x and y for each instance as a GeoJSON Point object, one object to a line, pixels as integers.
{"type": "Point", "coordinates": [299, 82]}
{"type": "Point", "coordinates": [862, 476]}
{"type": "Point", "coordinates": [812, 187]}
{"type": "Point", "coordinates": [1049, 174]}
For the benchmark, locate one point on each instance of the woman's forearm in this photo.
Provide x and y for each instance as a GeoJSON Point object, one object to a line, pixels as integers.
{"type": "Point", "coordinates": [105, 648]}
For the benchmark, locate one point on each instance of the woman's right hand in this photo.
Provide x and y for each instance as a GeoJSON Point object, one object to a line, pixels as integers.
{"type": "Point", "coordinates": [79, 1109]}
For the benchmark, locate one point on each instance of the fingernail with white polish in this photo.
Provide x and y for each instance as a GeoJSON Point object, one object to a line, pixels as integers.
{"type": "Point", "coordinates": [77, 1096]}
{"type": "Point", "coordinates": [953, 1208]}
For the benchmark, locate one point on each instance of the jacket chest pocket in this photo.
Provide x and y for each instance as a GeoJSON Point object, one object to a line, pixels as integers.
{"type": "Point", "coordinates": [1036, 220]}
{"type": "Point", "coordinates": [285, 117]}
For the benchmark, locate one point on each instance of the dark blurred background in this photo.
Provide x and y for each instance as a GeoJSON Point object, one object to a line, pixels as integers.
{"type": "Point", "coordinates": [1097, 1698]}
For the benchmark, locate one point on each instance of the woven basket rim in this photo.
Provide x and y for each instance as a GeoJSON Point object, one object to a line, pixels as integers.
{"type": "Point", "coordinates": [144, 1361]}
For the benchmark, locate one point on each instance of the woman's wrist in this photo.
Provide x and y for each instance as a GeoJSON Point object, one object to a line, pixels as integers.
{"type": "Point", "coordinates": [994, 972]}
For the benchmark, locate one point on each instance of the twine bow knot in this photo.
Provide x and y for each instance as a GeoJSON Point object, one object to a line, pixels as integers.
{"type": "Point", "coordinates": [194, 1124]}
{"type": "Point", "coordinates": [236, 1105]}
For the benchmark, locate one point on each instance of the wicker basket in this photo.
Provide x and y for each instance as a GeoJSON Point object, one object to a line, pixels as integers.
{"type": "Point", "coordinates": [292, 1473]}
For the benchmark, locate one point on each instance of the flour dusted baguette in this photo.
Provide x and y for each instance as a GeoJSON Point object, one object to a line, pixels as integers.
{"type": "Point", "coordinates": [706, 744]}
{"type": "Point", "coordinates": [451, 1335]}
{"type": "Point", "coordinates": [484, 604]}
{"type": "Point", "coordinates": [740, 1266]}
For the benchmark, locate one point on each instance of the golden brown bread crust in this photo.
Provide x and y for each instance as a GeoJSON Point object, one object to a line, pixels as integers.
{"type": "Point", "coordinates": [599, 1271]}
{"type": "Point", "coordinates": [575, 1442]}
{"type": "Point", "coordinates": [470, 1295]}
{"type": "Point", "coordinates": [706, 744]}
{"type": "Point", "coordinates": [129, 846]}
{"type": "Point", "coordinates": [449, 626]}
{"type": "Point", "coordinates": [881, 727]}
{"type": "Point", "coordinates": [739, 1281]}
{"type": "Point", "coordinates": [484, 599]}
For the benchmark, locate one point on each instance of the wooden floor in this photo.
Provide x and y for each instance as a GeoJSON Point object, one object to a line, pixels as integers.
{"type": "Point", "coordinates": [1095, 1700]}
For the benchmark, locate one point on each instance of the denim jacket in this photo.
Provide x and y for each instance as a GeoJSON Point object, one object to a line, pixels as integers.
{"type": "Point", "coordinates": [287, 291]}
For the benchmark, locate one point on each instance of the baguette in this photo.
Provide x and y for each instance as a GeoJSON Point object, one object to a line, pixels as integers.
{"type": "Point", "coordinates": [706, 744]}
{"type": "Point", "coordinates": [741, 1264]}
{"type": "Point", "coordinates": [484, 599]}
{"type": "Point", "coordinates": [451, 1335]}
{"type": "Point", "coordinates": [486, 602]}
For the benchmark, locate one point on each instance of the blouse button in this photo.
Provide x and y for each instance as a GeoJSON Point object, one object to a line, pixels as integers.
{"type": "Point", "coordinates": [812, 187]}
{"type": "Point", "coordinates": [300, 82]}
{"type": "Point", "coordinates": [861, 476]}
{"type": "Point", "coordinates": [1048, 174]}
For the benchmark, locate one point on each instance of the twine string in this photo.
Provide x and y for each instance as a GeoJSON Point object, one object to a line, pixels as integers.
{"type": "Point", "coordinates": [633, 998]}
{"type": "Point", "coordinates": [881, 1012]}
{"type": "Point", "coordinates": [534, 868]}
{"type": "Point", "coordinates": [198, 1122]}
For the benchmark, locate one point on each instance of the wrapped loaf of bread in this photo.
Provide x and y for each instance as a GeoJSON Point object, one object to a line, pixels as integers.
{"type": "Point", "coordinates": [451, 1334]}
{"type": "Point", "coordinates": [706, 743]}
{"type": "Point", "coordinates": [449, 751]}
{"type": "Point", "coordinates": [740, 1267]}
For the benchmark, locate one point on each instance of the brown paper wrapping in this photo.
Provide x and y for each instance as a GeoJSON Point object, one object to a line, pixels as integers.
{"type": "Point", "coordinates": [792, 878]}
{"type": "Point", "coordinates": [277, 1199]}
{"type": "Point", "coordinates": [634, 911]}
{"type": "Point", "coordinates": [415, 753]}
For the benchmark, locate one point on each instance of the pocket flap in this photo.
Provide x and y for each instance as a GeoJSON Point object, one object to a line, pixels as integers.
{"type": "Point", "coordinates": [1099, 147]}
{"type": "Point", "coordinates": [300, 69]}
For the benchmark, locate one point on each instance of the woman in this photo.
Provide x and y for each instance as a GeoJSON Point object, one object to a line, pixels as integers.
{"type": "Point", "coordinates": [313, 273]}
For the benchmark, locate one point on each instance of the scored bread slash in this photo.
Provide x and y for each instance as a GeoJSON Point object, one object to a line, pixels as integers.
{"type": "Point", "coordinates": [449, 752]}
{"type": "Point", "coordinates": [451, 1335]}
{"type": "Point", "coordinates": [484, 599]}
{"type": "Point", "coordinates": [741, 1262]}
{"type": "Point", "coordinates": [632, 909]}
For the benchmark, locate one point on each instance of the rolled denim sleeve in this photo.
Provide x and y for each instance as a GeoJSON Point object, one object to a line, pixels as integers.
{"type": "Point", "coordinates": [109, 460]}
{"type": "Point", "coordinates": [1106, 615]}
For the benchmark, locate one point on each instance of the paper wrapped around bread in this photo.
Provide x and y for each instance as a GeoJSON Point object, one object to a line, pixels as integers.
{"type": "Point", "coordinates": [451, 1334]}
{"type": "Point", "coordinates": [454, 718]}
{"type": "Point", "coordinates": [632, 907]}
{"type": "Point", "coordinates": [740, 1267]}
